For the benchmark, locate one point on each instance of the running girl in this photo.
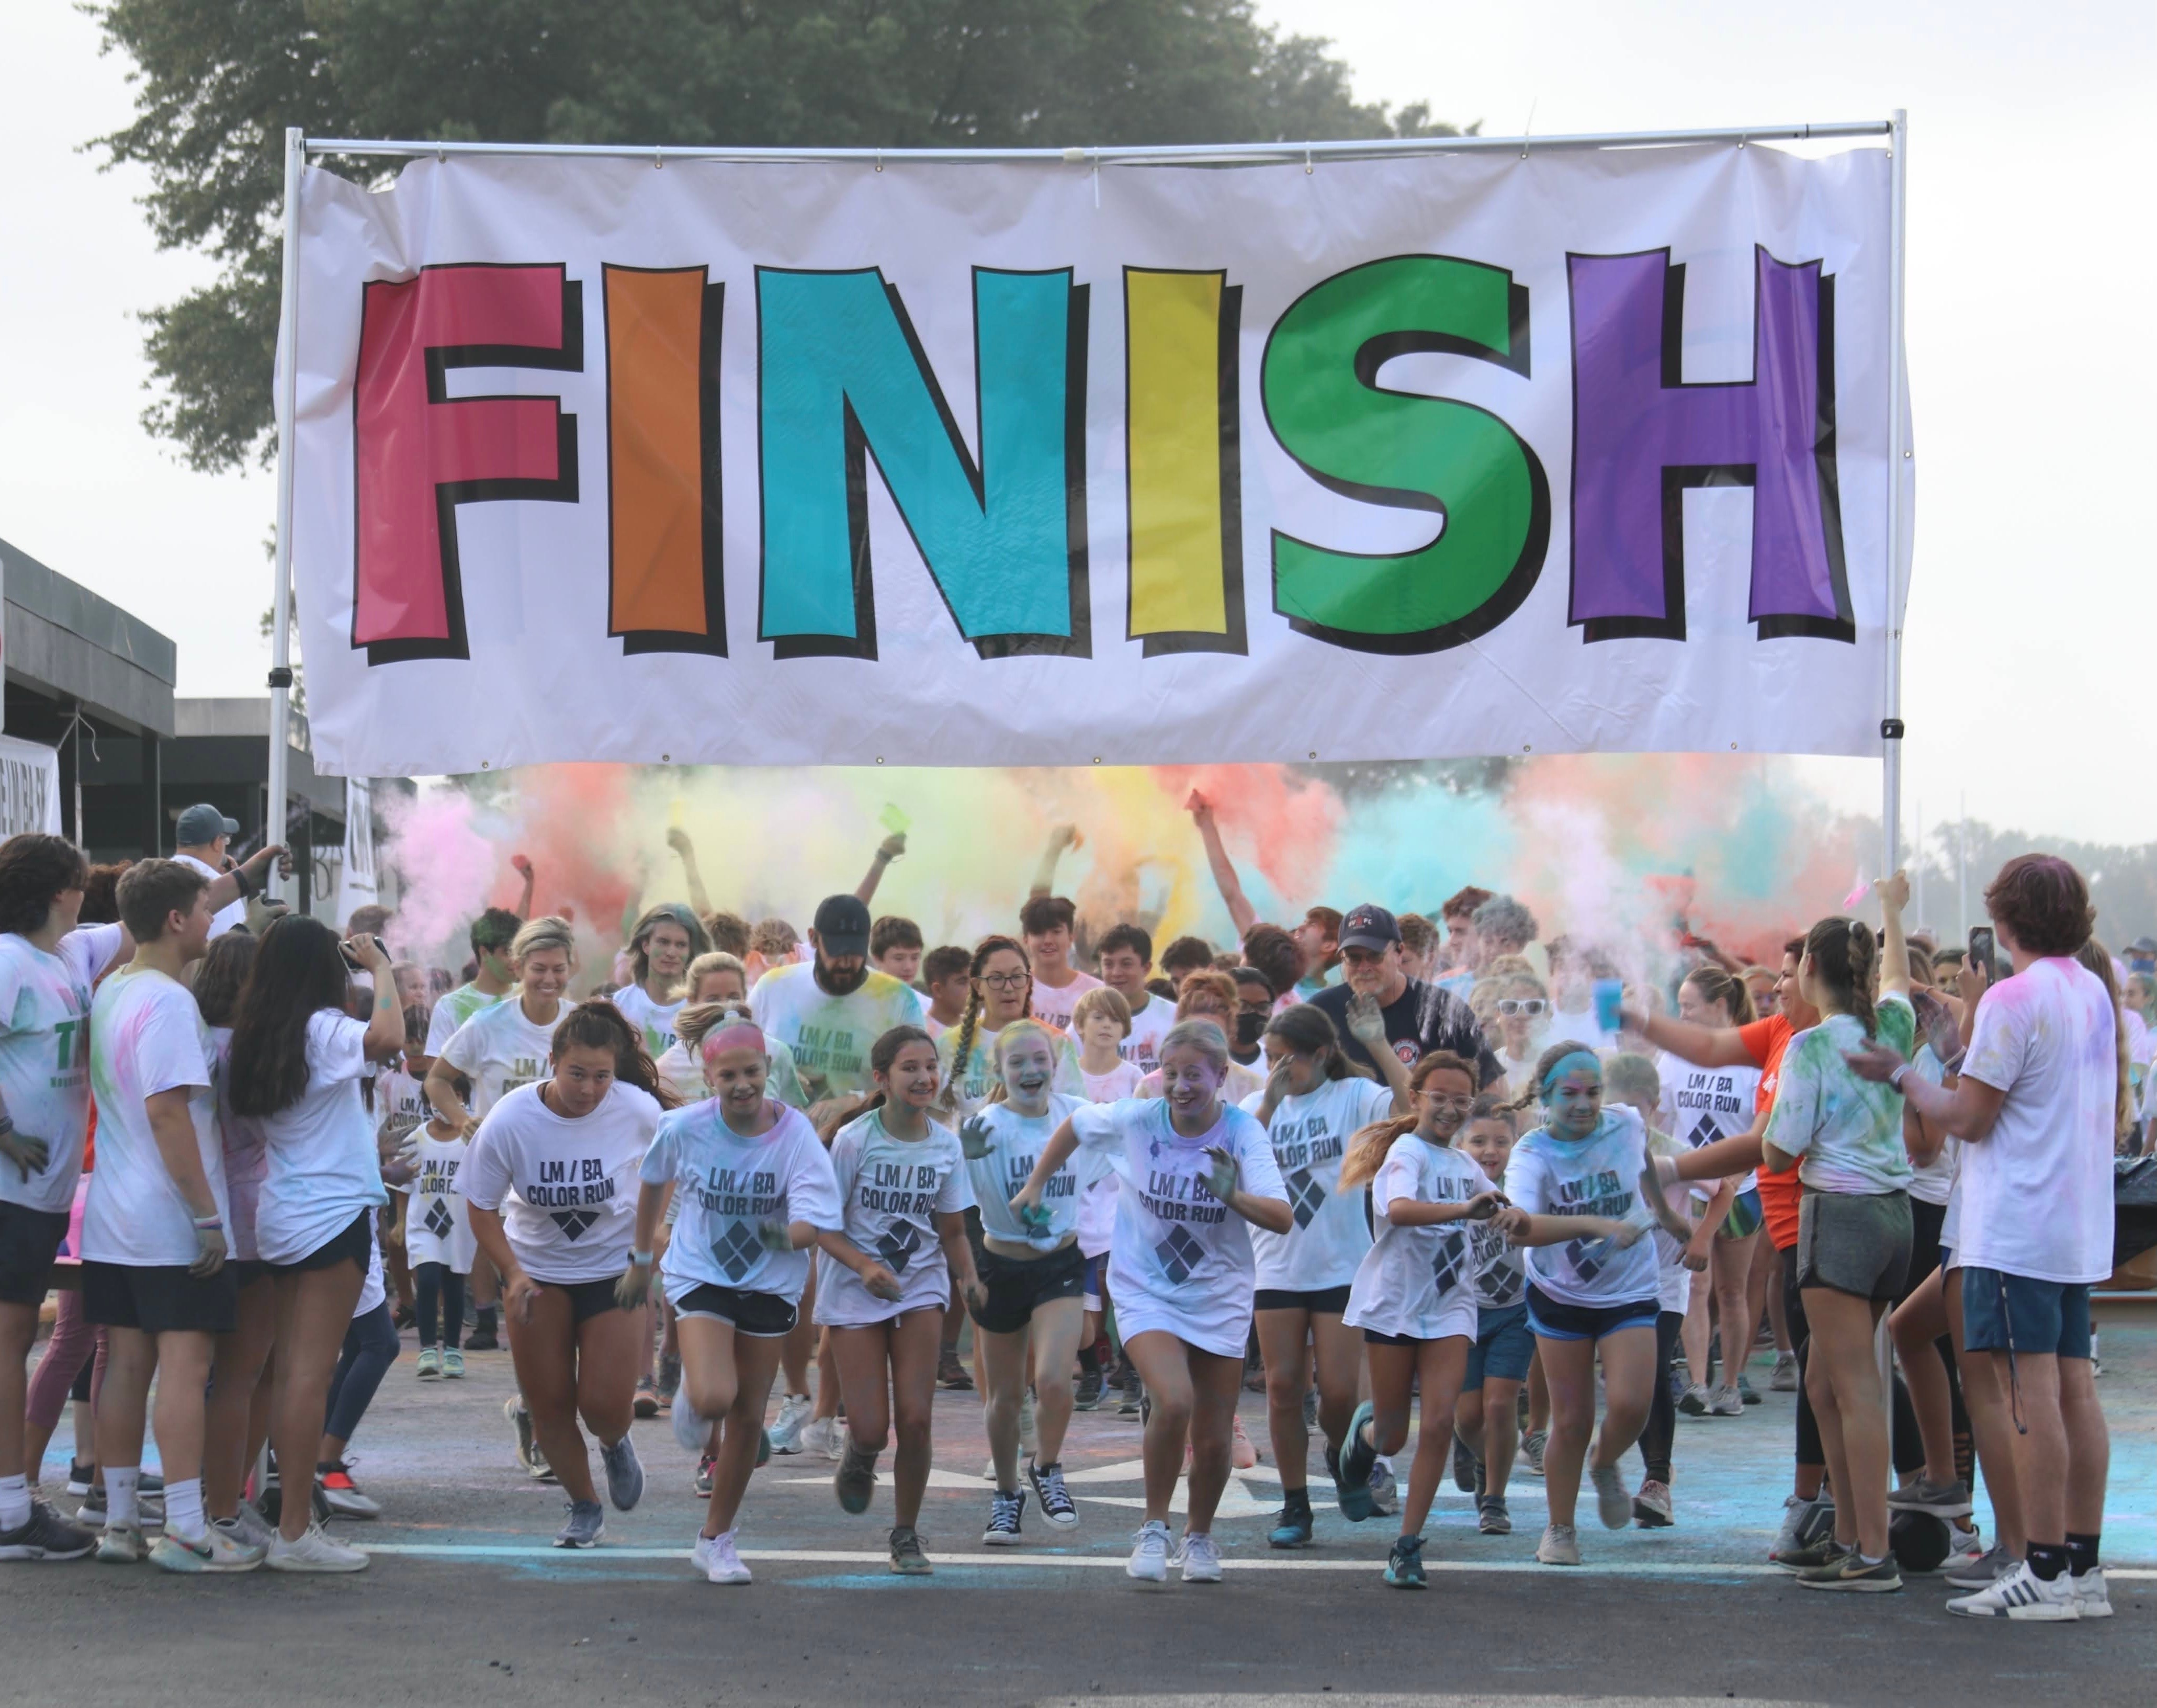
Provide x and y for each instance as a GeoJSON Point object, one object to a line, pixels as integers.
{"type": "Point", "coordinates": [1489, 1391]}
{"type": "Point", "coordinates": [884, 1278]}
{"type": "Point", "coordinates": [1315, 1099]}
{"type": "Point", "coordinates": [1111, 1069]}
{"type": "Point", "coordinates": [661, 945]}
{"type": "Point", "coordinates": [1196, 1174]}
{"type": "Point", "coordinates": [1414, 1296]}
{"type": "Point", "coordinates": [1592, 1284]}
{"type": "Point", "coordinates": [756, 1190]}
{"type": "Point", "coordinates": [1032, 1273]}
{"type": "Point", "coordinates": [548, 1183]}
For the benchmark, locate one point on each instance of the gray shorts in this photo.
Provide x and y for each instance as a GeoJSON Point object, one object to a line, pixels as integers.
{"type": "Point", "coordinates": [1856, 1245]}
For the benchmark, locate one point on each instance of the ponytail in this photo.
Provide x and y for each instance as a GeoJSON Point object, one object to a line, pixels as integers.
{"type": "Point", "coordinates": [1533, 1092]}
{"type": "Point", "coordinates": [1846, 958]}
{"type": "Point", "coordinates": [1367, 1149]}
{"type": "Point", "coordinates": [598, 1025]}
{"type": "Point", "coordinates": [1309, 1031]}
{"type": "Point", "coordinates": [1716, 985]}
{"type": "Point", "coordinates": [2097, 958]}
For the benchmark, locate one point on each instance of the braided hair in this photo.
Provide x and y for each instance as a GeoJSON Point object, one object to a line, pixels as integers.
{"type": "Point", "coordinates": [1549, 1059]}
{"type": "Point", "coordinates": [970, 1021]}
{"type": "Point", "coordinates": [1846, 959]}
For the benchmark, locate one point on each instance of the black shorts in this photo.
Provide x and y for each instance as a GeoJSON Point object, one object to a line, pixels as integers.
{"type": "Point", "coordinates": [247, 1271]}
{"type": "Point", "coordinates": [587, 1298]}
{"type": "Point", "coordinates": [160, 1299]}
{"type": "Point", "coordinates": [762, 1316]}
{"type": "Point", "coordinates": [1329, 1301]}
{"type": "Point", "coordinates": [356, 1243]}
{"type": "Point", "coordinates": [1017, 1287]}
{"type": "Point", "coordinates": [1554, 1319]}
{"type": "Point", "coordinates": [29, 1240]}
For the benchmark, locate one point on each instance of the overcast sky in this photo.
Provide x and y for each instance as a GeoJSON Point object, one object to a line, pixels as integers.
{"type": "Point", "coordinates": [2031, 656]}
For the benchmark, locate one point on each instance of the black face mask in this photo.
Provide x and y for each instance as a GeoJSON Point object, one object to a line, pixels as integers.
{"type": "Point", "coordinates": [1249, 1029]}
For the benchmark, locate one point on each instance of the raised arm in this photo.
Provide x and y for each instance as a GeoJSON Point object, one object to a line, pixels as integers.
{"type": "Point", "coordinates": [677, 839]}
{"type": "Point", "coordinates": [887, 851]}
{"type": "Point", "coordinates": [385, 1023]}
{"type": "Point", "coordinates": [524, 897]}
{"type": "Point", "coordinates": [1231, 887]}
{"type": "Point", "coordinates": [1063, 836]}
{"type": "Point", "coordinates": [1704, 1047]}
{"type": "Point", "coordinates": [1894, 893]}
{"type": "Point", "coordinates": [244, 880]}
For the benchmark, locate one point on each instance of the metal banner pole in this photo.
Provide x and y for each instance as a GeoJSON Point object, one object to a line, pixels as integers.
{"type": "Point", "coordinates": [281, 599]}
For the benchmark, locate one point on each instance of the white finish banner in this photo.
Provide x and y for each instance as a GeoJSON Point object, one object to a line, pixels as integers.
{"type": "Point", "coordinates": [357, 884]}
{"type": "Point", "coordinates": [1027, 464]}
{"type": "Point", "coordinates": [29, 788]}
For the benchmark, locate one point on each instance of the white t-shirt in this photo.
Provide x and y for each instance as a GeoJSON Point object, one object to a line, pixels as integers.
{"type": "Point", "coordinates": [1501, 1275]}
{"type": "Point", "coordinates": [1149, 1027]}
{"type": "Point", "coordinates": [401, 1108]}
{"type": "Point", "coordinates": [979, 1077]}
{"type": "Point", "coordinates": [146, 1037]}
{"type": "Point", "coordinates": [453, 1011]}
{"type": "Point", "coordinates": [1419, 1282]}
{"type": "Point", "coordinates": [437, 1222]}
{"type": "Point", "coordinates": [1707, 1104]}
{"type": "Point", "coordinates": [725, 1185]}
{"type": "Point", "coordinates": [1310, 1136]}
{"type": "Point", "coordinates": [226, 918]}
{"type": "Point", "coordinates": [372, 1293]}
{"type": "Point", "coordinates": [831, 1036]}
{"type": "Point", "coordinates": [1597, 1175]}
{"type": "Point", "coordinates": [654, 1020]}
{"type": "Point", "coordinates": [1238, 1088]}
{"type": "Point", "coordinates": [45, 1056]}
{"type": "Point", "coordinates": [499, 1050]}
{"type": "Point", "coordinates": [1054, 1003]}
{"type": "Point", "coordinates": [1932, 1182]}
{"type": "Point", "coordinates": [246, 1152]}
{"type": "Point", "coordinates": [891, 1192]}
{"type": "Point", "coordinates": [1097, 1201]}
{"type": "Point", "coordinates": [566, 1190]}
{"type": "Point", "coordinates": [2036, 1189]}
{"type": "Point", "coordinates": [323, 1170]}
{"type": "Point", "coordinates": [683, 1074]}
{"type": "Point", "coordinates": [1181, 1260]}
{"type": "Point", "coordinates": [1016, 1142]}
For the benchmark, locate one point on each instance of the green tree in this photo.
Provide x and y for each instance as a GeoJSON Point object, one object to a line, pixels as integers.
{"type": "Point", "coordinates": [218, 82]}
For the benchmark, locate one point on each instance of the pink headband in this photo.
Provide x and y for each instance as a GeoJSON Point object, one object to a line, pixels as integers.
{"type": "Point", "coordinates": [734, 1035]}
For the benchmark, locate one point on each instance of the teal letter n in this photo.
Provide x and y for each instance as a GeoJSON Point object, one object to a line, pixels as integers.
{"type": "Point", "coordinates": [841, 378]}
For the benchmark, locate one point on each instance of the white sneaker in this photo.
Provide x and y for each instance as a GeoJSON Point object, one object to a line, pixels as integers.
{"type": "Point", "coordinates": [716, 1558]}
{"type": "Point", "coordinates": [214, 1550]}
{"type": "Point", "coordinates": [794, 1411]}
{"type": "Point", "coordinates": [818, 1437]}
{"type": "Point", "coordinates": [692, 1434]}
{"type": "Point", "coordinates": [1613, 1505]}
{"type": "Point", "coordinates": [1726, 1402]}
{"type": "Point", "coordinates": [1149, 1560]}
{"type": "Point", "coordinates": [314, 1552]}
{"type": "Point", "coordinates": [1559, 1546]}
{"type": "Point", "coordinates": [1200, 1557]}
{"type": "Point", "coordinates": [248, 1526]}
{"type": "Point", "coordinates": [2093, 1601]}
{"type": "Point", "coordinates": [2021, 1594]}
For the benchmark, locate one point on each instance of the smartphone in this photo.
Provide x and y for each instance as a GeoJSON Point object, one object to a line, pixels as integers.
{"type": "Point", "coordinates": [1981, 952]}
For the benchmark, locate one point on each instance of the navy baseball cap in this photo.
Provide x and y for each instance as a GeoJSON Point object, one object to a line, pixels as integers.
{"type": "Point", "coordinates": [842, 925]}
{"type": "Point", "coordinates": [203, 823]}
{"type": "Point", "coordinates": [1369, 927]}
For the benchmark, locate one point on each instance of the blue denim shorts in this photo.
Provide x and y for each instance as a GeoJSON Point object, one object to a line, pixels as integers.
{"type": "Point", "coordinates": [2004, 1313]}
{"type": "Point", "coordinates": [1504, 1345]}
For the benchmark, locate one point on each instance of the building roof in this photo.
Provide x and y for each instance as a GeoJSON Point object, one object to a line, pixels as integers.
{"type": "Point", "coordinates": [62, 639]}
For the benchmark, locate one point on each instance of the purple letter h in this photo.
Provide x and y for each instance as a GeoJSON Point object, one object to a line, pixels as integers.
{"type": "Point", "coordinates": [1641, 435]}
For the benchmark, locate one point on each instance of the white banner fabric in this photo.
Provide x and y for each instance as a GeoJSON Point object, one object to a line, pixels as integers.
{"type": "Point", "coordinates": [1018, 464]}
{"type": "Point", "coordinates": [357, 885]}
{"type": "Point", "coordinates": [29, 788]}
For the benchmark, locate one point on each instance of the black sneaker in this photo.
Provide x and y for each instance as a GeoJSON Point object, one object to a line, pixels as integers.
{"type": "Point", "coordinates": [1134, 1401]}
{"type": "Point", "coordinates": [1851, 1572]}
{"type": "Point", "coordinates": [1088, 1395]}
{"type": "Point", "coordinates": [1292, 1526]}
{"type": "Point", "coordinates": [951, 1374]}
{"type": "Point", "coordinates": [1811, 1556]}
{"type": "Point", "coordinates": [1004, 1511]}
{"type": "Point", "coordinates": [44, 1534]}
{"type": "Point", "coordinates": [1463, 1466]}
{"type": "Point", "coordinates": [1351, 1483]}
{"type": "Point", "coordinates": [1404, 1564]}
{"type": "Point", "coordinates": [1057, 1506]}
{"type": "Point", "coordinates": [81, 1478]}
{"type": "Point", "coordinates": [482, 1340]}
{"type": "Point", "coordinates": [855, 1481]}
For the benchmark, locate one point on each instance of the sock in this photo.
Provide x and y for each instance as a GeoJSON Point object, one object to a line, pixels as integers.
{"type": "Point", "coordinates": [183, 1509]}
{"type": "Point", "coordinates": [2081, 1549]}
{"type": "Point", "coordinates": [1866, 1559]}
{"type": "Point", "coordinates": [2047, 1560]}
{"type": "Point", "coordinates": [485, 1314]}
{"type": "Point", "coordinates": [14, 1502]}
{"type": "Point", "coordinates": [120, 1508]}
{"type": "Point", "coordinates": [1089, 1359]}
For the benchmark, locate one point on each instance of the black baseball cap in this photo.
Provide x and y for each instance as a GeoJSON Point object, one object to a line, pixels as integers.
{"type": "Point", "coordinates": [842, 926]}
{"type": "Point", "coordinates": [1369, 927]}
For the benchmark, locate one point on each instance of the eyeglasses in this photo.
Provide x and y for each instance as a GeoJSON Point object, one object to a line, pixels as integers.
{"type": "Point", "coordinates": [1531, 1007]}
{"type": "Point", "coordinates": [1006, 981]}
{"type": "Point", "coordinates": [1450, 1101]}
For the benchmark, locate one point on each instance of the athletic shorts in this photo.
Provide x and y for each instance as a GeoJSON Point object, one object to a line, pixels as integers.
{"type": "Point", "coordinates": [762, 1316]}
{"type": "Point", "coordinates": [587, 1298]}
{"type": "Point", "coordinates": [1096, 1287]}
{"type": "Point", "coordinates": [1504, 1345]}
{"type": "Point", "coordinates": [1017, 1287]}
{"type": "Point", "coordinates": [247, 1271]}
{"type": "Point", "coordinates": [29, 1240]}
{"type": "Point", "coordinates": [1329, 1300]}
{"type": "Point", "coordinates": [1745, 1216]}
{"type": "Point", "coordinates": [160, 1299]}
{"type": "Point", "coordinates": [2003, 1313]}
{"type": "Point", "coordinates": [1857, 1243]}
{"type": "Point", "coordinates": [1553, 1320]}
{"type": "Point", "coordinates": [355, 1244]}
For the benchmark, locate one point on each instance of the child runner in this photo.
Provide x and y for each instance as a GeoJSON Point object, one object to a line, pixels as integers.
{"type": "Point", "coordinates": [434, 1227]}
{"type": "Point", "coordinates": [548, 1183]}
{"type": "Point", "coordinates": [755, 1189]}
{"type": "Point", "coordinates": [1314, 1100]}
{"type": "Point", "coordinates": [1031, 1273]}
{"type": "Point", "coordinates": [661, 945]}
{"type": "Point", "coordinates": [1110, 1071]}
{"type": "Point", "coordinates": [1197, 1176]}
{"type": "Point", "coordinates": [946, 974]}
{"type": "Point", "coordinates": [1490, 1390]}
{"type": "Point", "coordinates": [1414, 1297]}
{"type": "Point", "coordinates": [884, 1278]}
{"type": "Point", "coordinates": [1592, 1284]}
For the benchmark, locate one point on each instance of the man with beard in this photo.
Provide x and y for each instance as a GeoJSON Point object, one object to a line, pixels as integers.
{"type": "Point", "coordinates": [1420, 1017]}
{"type": "Point", "coordinates": [830, 1010]}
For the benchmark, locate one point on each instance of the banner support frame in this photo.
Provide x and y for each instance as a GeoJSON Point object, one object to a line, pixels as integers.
{"type": "Point", "coordinates": [281, 599]}
{"type": "Point", "coordinates": [1898, 453]}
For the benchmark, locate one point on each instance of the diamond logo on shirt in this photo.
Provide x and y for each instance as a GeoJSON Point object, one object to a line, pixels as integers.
{"type": "Point", "coordinates": [573, 1222]}
{"type": "Point", "coordinates": [897, 1246]}
{"type": "Point", "coordinates": [1450, 1263]}
{"type": "Point", "coordinates": [439, 1220]}
{"type": "Point", "coordinates": [1305, 1197]}
{"type": "Point", "coordinates": [1586, 1257]}
{"type": "Point", "coordinates": [1179, 1254]}
{"type": "Point", "coordinates": [736, 1251]}
{"type": "Point", "coordinates": [1704, 1132]}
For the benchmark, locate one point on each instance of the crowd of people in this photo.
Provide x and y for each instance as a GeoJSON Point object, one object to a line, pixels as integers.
{"type": "Point", "coordinates": [1387, 1169]}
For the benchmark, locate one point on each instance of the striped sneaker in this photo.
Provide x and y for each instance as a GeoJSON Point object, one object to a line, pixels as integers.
{"type": "Point", "coordinates": [2021, 1594]}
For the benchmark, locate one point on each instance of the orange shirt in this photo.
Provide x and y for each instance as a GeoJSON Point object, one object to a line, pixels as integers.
{"type": "Point", "coordinates": [1765, 1040]}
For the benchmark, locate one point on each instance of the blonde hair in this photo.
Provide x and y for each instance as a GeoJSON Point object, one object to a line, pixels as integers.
{"type": "Point", "coordinates": [1200, 1034]}
{"type": "Point", "coordinates": [1016, 1032]}
{"type": "Point", "coordinates": [699, 1019]}
{"type": "Point", "coordinates": [2095, 956]}
{"type": "Point", "coordinates": [713, 960]}
{"type": "Point", "coordinates": [1368, 1147]}
{"type": "Point", "coordinates": [548, 931]}
{"type": "Point", "coordinates": [1628, 1076]}
{"type": "Point", "coordinates": [1101, 999]}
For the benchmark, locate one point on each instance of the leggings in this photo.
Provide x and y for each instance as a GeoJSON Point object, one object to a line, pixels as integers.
{"type": "Point", "coordinates": [1907, 1447]}
{"type": "Point", "coordinates": [1663, 1408]}
{"type": "Point", "coordinates": [439, 1300]}
{"type": "Point", "coordinates": [68, 1355]}
{"type": "Point", "coordinates": [370, 1348]}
